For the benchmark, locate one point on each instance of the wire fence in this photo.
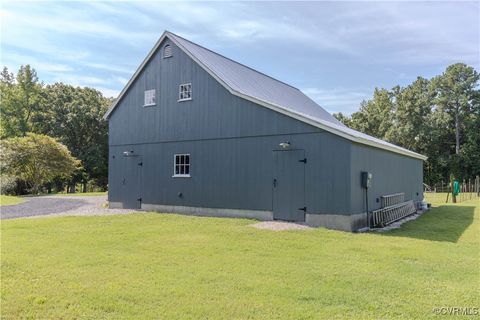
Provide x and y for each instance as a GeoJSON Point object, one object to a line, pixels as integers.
{"type": "Point", "coordinates": [442, 192]}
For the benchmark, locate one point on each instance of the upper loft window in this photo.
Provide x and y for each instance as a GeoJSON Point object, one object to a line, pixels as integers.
{"type": "Point", "coordinates": [185, 92]}
{"type": "Point", "coordinates": [149, 98]}
{"type": "Point", "coordinates": [167, 51]}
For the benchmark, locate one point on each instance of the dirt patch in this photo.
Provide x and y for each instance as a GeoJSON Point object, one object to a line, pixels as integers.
{"type": "Point", "coordinates": [280, 226]}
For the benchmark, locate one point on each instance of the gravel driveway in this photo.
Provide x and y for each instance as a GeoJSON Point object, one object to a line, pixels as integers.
{"type": "Point", "coordinates": [60, 206]}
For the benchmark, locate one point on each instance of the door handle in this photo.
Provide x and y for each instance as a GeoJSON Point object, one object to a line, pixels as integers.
{"type": "Point", "coordinates": [123, 182]}
{"type": "Point", "coordinates": [274, 183]}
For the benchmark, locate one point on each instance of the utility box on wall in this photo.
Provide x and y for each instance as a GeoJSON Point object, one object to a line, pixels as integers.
{"type": "Point", "coordinates": [366, 179]}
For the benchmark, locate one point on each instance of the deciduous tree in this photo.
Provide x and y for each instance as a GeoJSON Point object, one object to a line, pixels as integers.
{"type": "Point", "coordinates": [20, 101]}
{"type": "Point", "coordinates": [375, 115]}
{"type": "Point", "coordinates": [439, 118]}
{"type": "Point", "coordinates": [456, 92]}
{"type": "Point", "coordinates": [36, 159]}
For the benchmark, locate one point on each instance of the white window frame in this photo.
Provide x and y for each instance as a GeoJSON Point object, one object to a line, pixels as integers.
{"type": "Point", "coordinates": [148, 93]}
{"type": "Point", "coordinates": [180, 97]}
{"type": "Point", "coordinates": [180, 165]}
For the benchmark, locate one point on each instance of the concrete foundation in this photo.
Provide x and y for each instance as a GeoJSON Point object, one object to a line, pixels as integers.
{"type": "Point", "coordinates": [115, 205]}
{"type": "Point", "coordinates": [330, 221]}
{"type": "Point", "coordinates": [336, 221]}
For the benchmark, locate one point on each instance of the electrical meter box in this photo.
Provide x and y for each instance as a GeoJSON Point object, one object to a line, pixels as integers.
{"type": "Point", "coordinates": [366, 179]}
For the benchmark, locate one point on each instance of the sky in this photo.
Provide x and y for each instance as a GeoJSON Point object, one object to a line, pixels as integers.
{"type": "Point", "coordinates": [335, 52]}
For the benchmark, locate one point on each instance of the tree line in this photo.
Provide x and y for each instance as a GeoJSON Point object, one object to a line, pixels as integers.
{"type": "Point", "coordinates": [60, 129]}
{"type": "Point", "coordinates": [437, 117]}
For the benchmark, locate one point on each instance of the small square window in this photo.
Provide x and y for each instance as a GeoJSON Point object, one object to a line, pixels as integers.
{"type": "Point", "coordinates": [149, 98]}
{"type": "Point", "coordinates": [185, 92]}
{"type": "Point", "coordinates": [181, 165]}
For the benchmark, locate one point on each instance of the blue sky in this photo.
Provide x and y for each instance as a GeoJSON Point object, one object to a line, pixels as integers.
{"type": "Point", "coordinates": [335, 52]}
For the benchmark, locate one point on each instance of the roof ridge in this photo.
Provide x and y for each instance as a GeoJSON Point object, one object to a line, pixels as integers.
{"type": "Point", "coordinates": [221, 55]}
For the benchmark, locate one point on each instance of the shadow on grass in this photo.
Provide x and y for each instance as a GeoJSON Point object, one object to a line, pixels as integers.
{"type": "Point", "coordinates": [443, 223]}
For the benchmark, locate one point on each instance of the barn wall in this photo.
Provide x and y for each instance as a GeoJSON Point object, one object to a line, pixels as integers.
{"type": "Point", "coordinates": [392, 173]}
{"type": "Point", "coordinates": [237, 173]}
{"type": "Point", "coordinates": [230, 141]}
{"type": "Point", "coordinates": [212, 113]}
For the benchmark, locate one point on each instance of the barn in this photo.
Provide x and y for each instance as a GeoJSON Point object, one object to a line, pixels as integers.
{"type": "Point", "coordinates": [194, 132]}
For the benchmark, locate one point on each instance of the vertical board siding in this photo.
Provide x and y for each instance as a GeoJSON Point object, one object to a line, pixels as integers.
{"type": "Point", "coordinates": [212, 113]}
{"type": "Point", "coordinates": [392, 173]}
{"type": "Point", "coordinates": [230, 141]}
{"type": "Point", "coordinates": [238, 173]}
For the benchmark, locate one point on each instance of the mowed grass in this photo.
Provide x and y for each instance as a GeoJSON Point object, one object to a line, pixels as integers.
{"type": "Point", "coordinates": [9, 200]}
{"type": "Point", "coordinates": [153, 266]}
{"type": "Point", "coordinates": [444, 197]}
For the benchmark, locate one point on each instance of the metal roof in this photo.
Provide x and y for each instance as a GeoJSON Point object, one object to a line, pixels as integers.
{"type": "Point", "coordinates": [247, 81]}
{"type": "Point", "coordinates": [255, 86]}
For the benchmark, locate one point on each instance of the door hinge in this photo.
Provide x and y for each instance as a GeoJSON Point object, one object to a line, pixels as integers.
{"type": "Point", "coordinates": [304, 160]}
{"type": "Point", "coordinates": [139, 199]}
{"type": "Point", "coordinates": [140, 164]}
{"type": "Point", "coordinates": [304, 209]}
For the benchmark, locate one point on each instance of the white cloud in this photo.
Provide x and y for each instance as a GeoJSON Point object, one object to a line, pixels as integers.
{"type": "Point", "coordinates": [14, 61]}
{"type": "Point", "coordinates": [338, 99]}
{"type": "Point", "coordinates": [108, 92]}
{"type": "Point", "coordinates": [60, 20]}
{"type": "Point", "coordinates": [101, 43]}
{"type": "Point", "coordinates": [108, 66]}
{"type": "Point", "coordinates": [244, 29]}
{"type": "Point", "coordinates": [122, 80]}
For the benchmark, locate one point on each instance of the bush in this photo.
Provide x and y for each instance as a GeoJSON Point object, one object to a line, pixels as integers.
{"type": "Point", "coordinates": [36, 159]}
{"type": "Point", "coordinates": [7, 184]}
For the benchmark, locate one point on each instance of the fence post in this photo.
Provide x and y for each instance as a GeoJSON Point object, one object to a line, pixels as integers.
{"type": "Point", "coordinates": [477, 182]}
{"type": "Point", "coordinates": [470, 188]}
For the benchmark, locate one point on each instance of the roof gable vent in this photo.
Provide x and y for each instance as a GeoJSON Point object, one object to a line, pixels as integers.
{"type": "Point", "coordinates": [167, 51]}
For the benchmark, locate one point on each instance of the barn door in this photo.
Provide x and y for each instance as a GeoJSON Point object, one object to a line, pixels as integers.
{"type": "Point", "coordinates": [132, 182]}
{"type": "Point", "coordinates": [289, 185]}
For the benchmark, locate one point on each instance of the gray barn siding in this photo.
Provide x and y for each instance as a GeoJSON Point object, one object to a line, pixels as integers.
{"type": "Point", "coordinates": [392, 173]}
{"type": "Point", "coordinates": [213, 112]}
{"type": "Point", "coordinates": [230, 141]}
{"type": "Point", "coordinates": [237, 173]}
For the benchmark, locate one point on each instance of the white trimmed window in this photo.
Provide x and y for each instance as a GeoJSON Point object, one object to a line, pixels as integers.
{"type": "Point", "coordinates": [167, 51]}
{"type": "Point", "coordinates": [149, 98]}
{"type": "Point", "coordinates": [185, 92]}
{"type": "Point", "coordinates": [181, 165]}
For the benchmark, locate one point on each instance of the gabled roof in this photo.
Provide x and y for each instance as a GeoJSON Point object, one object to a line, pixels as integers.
{"type": "Point", "coordinates": [257, 87]}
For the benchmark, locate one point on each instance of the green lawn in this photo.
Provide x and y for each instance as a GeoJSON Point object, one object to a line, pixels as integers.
{"type": "Point", "coordinates": [9, 200]}
{"type": "Point", "coordinates": [442, 197]}
{"type": "Point", "coordinates": [151, 266]}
